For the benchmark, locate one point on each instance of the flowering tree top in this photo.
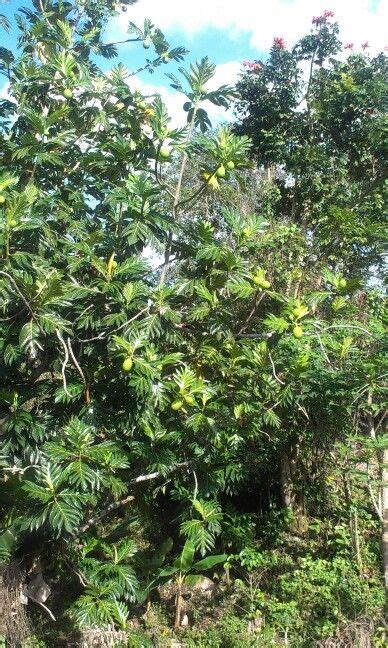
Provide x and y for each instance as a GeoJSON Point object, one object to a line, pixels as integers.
{"type": "Point", "coordinates": [279, 42]}
{"type": "Point", "coordinates": [320, 20]}
{"type": "Point", "coordinates": [252, 65]}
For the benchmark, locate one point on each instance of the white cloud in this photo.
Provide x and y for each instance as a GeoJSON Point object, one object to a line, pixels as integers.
{"type": "Point", "coordinates": [4, 91]}
{"type": "Point", "coordinates": [261, 20]}
{"type": "Point", "coordinates": [227, 74]}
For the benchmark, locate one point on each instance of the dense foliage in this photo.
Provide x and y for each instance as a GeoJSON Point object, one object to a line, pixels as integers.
{"type": "Point", "coordinates": [191, 333]}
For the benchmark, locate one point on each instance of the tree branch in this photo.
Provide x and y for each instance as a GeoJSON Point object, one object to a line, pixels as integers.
{"type": "Point", "coordinates": [323, 348]}
{"type": "Point", "coordinates": [251, 314]}
{"type": "Point", "coordinates": [95, 519]}
{"type": "Point", "coordinates": [42, 605]}
{"type": "Point", "coordinates": [255, 336]}
{"type": "Point", "coordinates": [177, 195]}
{"type": "Point", "coordinates": [103, 335]}
{"type": "Point", "coordinates": [81, 373]}
{"type": "Point", "coordinates": [348, 326]}
{"type": "Point", "coordinates": [274, 370]}
{"type": "Point", "coordinates": [129, 498]}
{"type": "Point", "coordinates": [65, 362]}
{"type": "Point", "coordinates": [26, 303]}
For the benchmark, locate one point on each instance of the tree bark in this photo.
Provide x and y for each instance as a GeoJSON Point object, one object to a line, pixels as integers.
{"type": "Point", "coordinates": [288, 495]}
{"type": "Point", "coordinates": [353, 520]}
{"type": "Point", "coordinates": [384, 474]}
{"type": "Point", "coordinates": [384, 496]}
{"type": "Point", "coordinates": [178, 608]}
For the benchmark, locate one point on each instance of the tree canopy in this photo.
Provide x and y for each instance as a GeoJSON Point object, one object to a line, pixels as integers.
{"type": "Point", "coordinates": [192, 336]}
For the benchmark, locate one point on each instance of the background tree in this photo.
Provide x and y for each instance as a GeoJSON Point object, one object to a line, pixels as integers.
{"type": "Point", "coordinates": [320, 138]}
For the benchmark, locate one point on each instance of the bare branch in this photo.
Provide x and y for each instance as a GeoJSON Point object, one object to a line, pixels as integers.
{"type": "Point", "coordinates": [65, 362]}
{"type": "Point", "coordinates": [304, 411]}
{"type": "Point", "coordinates": [274, 370]}
{"type": "Point", "coordinates": [155, 475]}
{"type": "Point", "coordinates": [81, 373]}
{"type": "Point", "coordinates": [43, 606]}
{"type": "Point", "coordinates": [323, 348]}
{"type": "Point", "coordinates": [348, 326]}
{"type": "Point", "coordinates": [195, 486]}
{"type": "Point", "coordinates": [43, 10]}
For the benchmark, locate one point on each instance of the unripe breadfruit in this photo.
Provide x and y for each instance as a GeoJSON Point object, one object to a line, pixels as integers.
{"type": "Point", "coordinates": [164, 153]}
{"type": "Point", "coordinates": [120, 105]}
{"type": "Point", "coordinates": [146, 43]}
{"type": "Point", "coordinates": [342, 283]}
{"type": "Point", "coordinates": [176, 405]}
{"type": "Point", "coordinates": [127, 364]}
{"type": "Point", "coordinates": [12, 223]}
{"type": "Point", "coordinates": [2, 199]}
{"type": "Point", "coordinates": [114, 264]}
{"type": "Point", "coordinates": [189, 400]}
{"type": "Point", "coordinates": [265, 284]}
{"type": "Point", "coordinates": [221, 171]}
{"type": "Point", "coordinates": [230, 164]}
{"type": "Point", "coordinates": [297, 332]}
{"type": "Point", "coordinates": [67, 93]}
{"type": "Point", "coordinates": [258, 281]}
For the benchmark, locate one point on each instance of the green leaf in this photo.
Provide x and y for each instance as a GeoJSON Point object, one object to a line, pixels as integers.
{"type": "Point", "coordinates": [209, 562]}
{"type": "Point", "coordinates": [185, 560]}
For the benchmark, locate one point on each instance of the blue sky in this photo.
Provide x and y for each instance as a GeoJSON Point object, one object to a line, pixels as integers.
{"type": "Point", "coordinates": [229, 31]}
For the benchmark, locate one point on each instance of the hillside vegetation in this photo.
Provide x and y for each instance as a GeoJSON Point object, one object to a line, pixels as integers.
{"type": "Point", "coordinates": [191, 332]}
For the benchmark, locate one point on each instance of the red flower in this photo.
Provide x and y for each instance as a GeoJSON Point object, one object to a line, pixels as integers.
{"type": "Point", "coordinates": [349, 46]}
{"type": "Point", "coordinates": [279, 42]}
{"type": "Point", "coordinates": [251, 65]}
{"type": "Point", "coordinates": [319, 20]}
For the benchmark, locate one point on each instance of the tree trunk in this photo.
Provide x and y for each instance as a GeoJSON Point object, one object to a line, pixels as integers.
{"type": "Point", "coordinates": [14, 623]}
{"type": "Point", "coordinates": [385, 514]}
{"type": "Point", "coordinates": [178, 609]}
{"type": "Point", "coordinates": [384, 496]}
{"type": "Point", "coordinates": [353, 519]}
{"type": "Point", "coordinates": [3, 606]}
{"type": "Point", "coordinates": [288, 495]}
